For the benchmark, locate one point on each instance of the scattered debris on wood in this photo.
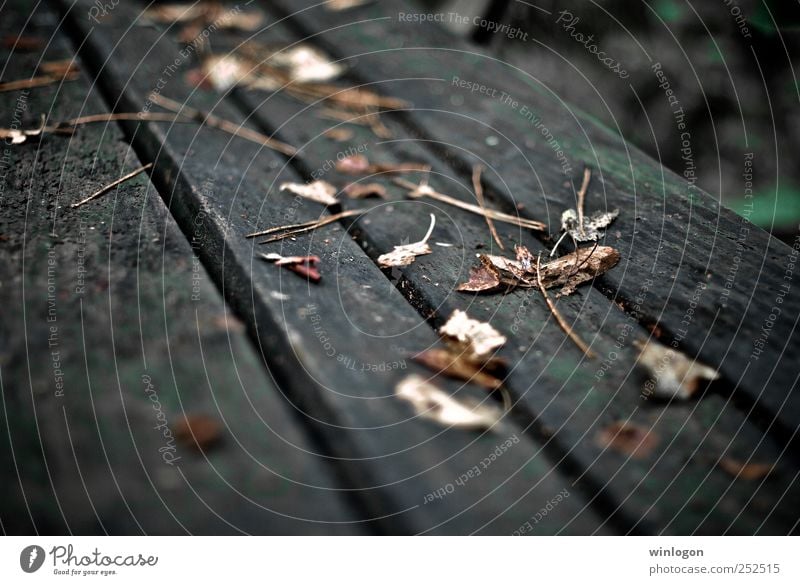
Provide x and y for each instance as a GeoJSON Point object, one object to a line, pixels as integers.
{"type": "Point", "coordinates": [358, 164]}
{"type": "Point", "coordinates": [227, 126]}
{"type": "Point", "coordinates": [289, 231]}
{"type": "Point", "coordinates": [574, 224]}
{"type": "Point", "coordinates": [497, 273]}
{"type": "Point", "coordinates": [53, 72]}
{"type": "Point", "coordinates": [364, 190]}
{"type": "Point", "coordinates": [566, 327]}
{"type": "Point", "coordinates": [405, 254]}
{"type": "Point", "coordinates": [111, 185]}
{"type": "Point", "coordinates": [673, 374]}
{"type": "Point", "coordinates": [424, 190]}
{"type": "Point", "coordinates": [317, 191]}
{"type": "Point", "coordinates": [197, 431]}
{"type": "Point", "coordinates": [478, 188]}
{"type": "Point", "coordinates": [305, 266]}
{"type": "Point", "coordinates": [746, 471]}
{"type": "Point", "coordinates": [433, 403]}
{"type": "Point", "coordinates": [198, 16]}
{"type": "Point", "coordinates": [628, 438]}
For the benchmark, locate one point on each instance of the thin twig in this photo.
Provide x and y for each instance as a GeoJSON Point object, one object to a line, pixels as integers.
{"type": "Point", "coordinates": [110, 186]}
{"type": "Point", "coordinates": [587, 175]}
{"type": "Point", "coordinates": [476, 185]}
{"type": "Point", "coordinates": [40, 81]}
{"type": "Point", "coordinates": [425, 191]}
{"type": "Point", "coordinates": [309, 226]}
{"type": "Point", "coordinates": [303, 224]}
{"type": "Point", "coordinates": [224, 125]}
{"type": "Point", "coordinates": [561, 321]}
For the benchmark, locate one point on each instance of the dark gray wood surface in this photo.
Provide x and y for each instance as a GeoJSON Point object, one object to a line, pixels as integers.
{"type": "Point", "coordinates": [306, 403]}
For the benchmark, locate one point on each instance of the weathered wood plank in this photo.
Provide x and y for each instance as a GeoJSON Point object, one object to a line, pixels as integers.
{"type": "Point", "coordinates": [720, 283]}
{"type": "Point", "coordinates": [111, 328]}
{"type": "Point", "coordinates": [393, 460]}
{"type": "Point", "coordinates": [570, 398]}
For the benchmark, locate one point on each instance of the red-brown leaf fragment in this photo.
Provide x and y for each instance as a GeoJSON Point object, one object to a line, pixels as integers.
{"type": "Point", "coordinates": [746, 471]}
{"type": "Point", "coordinates": [481, 279]}
{"type": "Point", "coordinates": [364, 190]}
{"type": "Point", "coordinates": [197, 431]}
{"type": "Point", "coordinates": [628, 438]}
{"type": "Point", "coordinates": [305, 266]}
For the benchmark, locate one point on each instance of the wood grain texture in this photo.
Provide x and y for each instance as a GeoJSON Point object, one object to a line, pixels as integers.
{"type": "Point", "coordinates": [337, 348]}
{"type": "Point", "coordinates": [717, 278]}
{"type": "Point", "coordinates": [109, 322]}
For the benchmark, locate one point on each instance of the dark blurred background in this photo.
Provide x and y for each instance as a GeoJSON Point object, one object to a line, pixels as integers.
{"type": "Point", "coordinates": [731, 63]}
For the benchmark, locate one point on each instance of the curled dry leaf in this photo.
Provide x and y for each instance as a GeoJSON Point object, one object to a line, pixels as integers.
{"type": "Point", "coordinates": [747, 471]}
{"type": "Point", "coordinates": [305, 266]}
{"type": "Point", "coordinates": [455, 365]}
{"type": "Point", "coordinates": [577, 226]}
{"type": "Point", "coordinates": [433, 403]}
{"type": "Point", "coordinates": [364, 190]}
{"type": "Point", "coordinates": [477, 340]}
{"type": "Point", "coordinates": [317, 191]}
{"type": "Point", "coordinates": [568, 272]}
{"type": "Point", "coordinates": [481, 278]}
{"type": "Point", "coordinates": [405, 254]}
{"type": "Point", "coordinates": [18, 136]}
{"type": "Point", "coordinates": [673, 374]}
{"type": "Point", "coordinates": [628, 438]}
{"type": "Point", "coordinates": [197, 431]}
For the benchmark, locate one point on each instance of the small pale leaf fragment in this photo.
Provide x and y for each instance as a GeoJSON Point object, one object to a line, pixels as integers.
{"type": "Point", "coordinates": [674, 374]}
{"type": "Point", "coordinates": [433, 403]}
{"type": "Point", "coordinates": [317, 191]}
{"type": "Point", "coordinates": [477, 340]}
{"type": "Point", "coordinates": [406, 254]}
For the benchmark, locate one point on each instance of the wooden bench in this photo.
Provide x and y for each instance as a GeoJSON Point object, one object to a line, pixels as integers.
{"type": "Point", "coordinates": [150, 303]}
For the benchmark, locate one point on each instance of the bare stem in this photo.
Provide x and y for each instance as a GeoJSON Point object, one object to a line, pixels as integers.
{"type": "Point", "coordinates": [561, 321]}
{"type": "Point", "coordinates": [110, 186]}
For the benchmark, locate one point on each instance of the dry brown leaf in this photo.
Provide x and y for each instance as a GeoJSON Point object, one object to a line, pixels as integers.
{"type": "Point", "coordinates": [481, 279]}
{"type": "Point", "coordinates": [317, 191]}
{"type": "Point", "coordinates": [673, 373]}
{"type": "Point", "coordinates": [746, 471]}
{"type": "Point", "coordinates": [477, 340]}
{"type": "Point", "coordinates": [455, 365]}
{"type": "Point", "coordinates": [405, 254]}
{"type": "Point", "coordinates": [339, 134]}
{"type": "Point", "coordinates": [568, 271]}
{"type": "Point", "coordinates": [433, 403]}
{"type": "Point", "coordinates": [364, 190]}
{"type": "Point", "coordinates": [198, 431]}
{"type": "Point", "coordinates": [628, 438]}
{"type": "Point", "coordinates": [305, 266]}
